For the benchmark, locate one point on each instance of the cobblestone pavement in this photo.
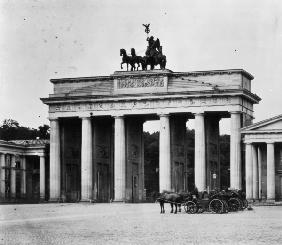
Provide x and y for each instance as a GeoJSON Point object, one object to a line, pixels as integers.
{"type": "Point", "coordinates": [135, 224]}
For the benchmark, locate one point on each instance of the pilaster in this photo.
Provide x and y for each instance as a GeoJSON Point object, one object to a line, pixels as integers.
{"type": "Point", "coordinates": [249, 171]}
{"type": "Point", "coordinates": [86, 160]}
{"type": "Point", "coordinates": [165, 154]}
{"type": "Point", "coordinates": [259, 172]}
{"type": "Point", "coordinates": [13, 177]}
{"type": "Point", "coordinates": [2, 175]}
{"type": "Point", "coordinates": [55, 161]}
{"type": "Point", "coordinates": [23, 179]}
{"type": "Point", "coordinates": [42, 177]}
{"type": "Point", "coordinates": [270, 172]}
{"type": "Point", "coordinates": [119, 159]}
{"type": "Point", "coordinates": [235, 151]}
{"type": "Point", "coordinates": [255, 172]}
{"type": "Point", "coordinates": [200, 152]}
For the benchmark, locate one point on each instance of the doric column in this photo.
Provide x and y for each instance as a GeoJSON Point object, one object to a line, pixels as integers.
{"type": "Point", "coordinates": [86, 160]}
{"type": "Point", "coordinates": [55, 163]}
{"type": "Point", "coordinates": [2, 176]}
{"type": "Point", "coordinates": [249, 171]}
{"type": "Point", "coordinates": [200, 152]}
{"type": "Point", "coordinates": [13, 177]}
{"type": "Point", "coordinates": [235, 151]}
{"type": "Point", "coordinates": [270, 172]}
{"type": "Point", "coordinates": [23, 179]}
{"type": "Point", "coordinates": [119, 159]}
{"type": "Point", "coordinates": [259, 171]}
{"type": "Point", "coordinates": [165, 154]}
{"type": "Point", "coordinates": [42, 177]}
{"type": "Point", "coordinates": [255, 172]}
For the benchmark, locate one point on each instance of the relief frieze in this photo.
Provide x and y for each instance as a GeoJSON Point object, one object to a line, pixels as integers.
{"type": "Point", "coordinates": [140, 82]}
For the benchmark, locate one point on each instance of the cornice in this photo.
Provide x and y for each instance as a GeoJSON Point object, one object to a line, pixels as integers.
{"type": "Point", "coordinates": [186, 94]}
{"type": "Point", "coordinates": [262, 123]}
{"type": "Point", "coordinates": [148, 73]}
{"type": "Point", "coordinates": [215, 72]}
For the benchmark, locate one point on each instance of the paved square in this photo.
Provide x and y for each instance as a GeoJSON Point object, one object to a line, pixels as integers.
{"type": "Point", "coordinates": [135, 224]}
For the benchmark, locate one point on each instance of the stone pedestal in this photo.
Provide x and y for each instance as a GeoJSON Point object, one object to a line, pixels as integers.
{"type": "Point", "coordinates": [200, 152]}
{"type": "Point", "coordinates": [249, 172]}
{"type": "Point", "coordinates": [86, 160]}
{"type": "Point", "coordinates": [119, 159]}
{"type": "Point", "coordinates": [42, 177]}
{"type": "Point", "coordinates": [2, 176]}
{"type": "Point", "coordinates": [255, 172]}
{"type": "Point", "coordinates": [55, 163]}
{"type": "Point", "coordinates": [165, 154]}
{"type": "Point", "coordinates": [235, 151]}
{"type": "Point", "coordinates": [270, 172]}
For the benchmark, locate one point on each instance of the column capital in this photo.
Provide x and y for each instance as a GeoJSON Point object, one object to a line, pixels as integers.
{"type": "Point", "coordinates": [199, 113]}
{"type": "Point", "coordinates": [53, 118]}
{"type": "Point", "coordinates": [85, 117]}
{"type": "Point", "coordinates": [248, 143]}
{"type": "Point", "coordinates": [235, 112]}
{"type": "Point", "coordinates": [121, 116]}
{"type": "Point", "coordinates": [270, 142]}
{"type": "Point", "coordinates": [163, 114]}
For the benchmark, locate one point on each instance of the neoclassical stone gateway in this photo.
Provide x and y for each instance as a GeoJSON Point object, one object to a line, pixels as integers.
{"type": "Point", "coordinates": [96, 145]}
{"type": "Point", "coordinates": [263, 142]}
{"type": "Point", "coordinates": [24, 170]}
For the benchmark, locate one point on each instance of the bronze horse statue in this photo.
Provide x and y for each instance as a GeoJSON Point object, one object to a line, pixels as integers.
{"type": "Point", "coordinates": [126, 59]}
{"type": "Point", "coordinates": [175, 199]}
{"type": "Point", "coordinates": [139, 60]}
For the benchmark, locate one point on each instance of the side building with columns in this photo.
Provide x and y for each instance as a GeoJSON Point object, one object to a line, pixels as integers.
{"type": "Point", "coordinates": [97, 146]}
{"type": "Point", "coordinates": [24, 170]}
{"type": "Point", "coordinates": [263, 144]}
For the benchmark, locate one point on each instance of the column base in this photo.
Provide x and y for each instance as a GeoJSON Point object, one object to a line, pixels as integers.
{"type": "Point", "coordinates": [87, 200]}
{"type": "Point", "coordinates": [42, 200]}
{"type": "Point", "coordinates": [55, 199]}
{"type": "Point", "coordinates": [118, 201]}
{"type": "Point", "coordinates": [270, 200]}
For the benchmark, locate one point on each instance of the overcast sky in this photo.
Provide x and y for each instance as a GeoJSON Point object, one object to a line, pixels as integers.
{"type": "Point", "coordinates": [41, 40]}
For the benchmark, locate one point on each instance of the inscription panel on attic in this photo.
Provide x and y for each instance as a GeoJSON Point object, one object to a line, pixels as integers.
{"type": "Point", "coordinates": [141, 84]}
{"type": "Point", "coordinates": [147, 104]}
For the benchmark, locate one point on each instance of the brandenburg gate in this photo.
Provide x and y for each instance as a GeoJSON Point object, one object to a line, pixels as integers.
{"type": "Point", "coordinates": [96, 144]}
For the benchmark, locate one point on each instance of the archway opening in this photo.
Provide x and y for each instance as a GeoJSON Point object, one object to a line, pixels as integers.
{"type": "Point", "coordinates": [151, 159]}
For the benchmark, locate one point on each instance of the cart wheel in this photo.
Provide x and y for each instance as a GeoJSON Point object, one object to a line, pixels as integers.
{"type": "Point", "coordinates": [233, 204]}
{"type": "Point", "coordinates": [190, 207]}
{"type": "Point", "coordinates": [216, 206]}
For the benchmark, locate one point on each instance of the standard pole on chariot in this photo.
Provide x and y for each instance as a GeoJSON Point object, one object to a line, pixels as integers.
{"type": "Point", "coordinates": [147, 29]}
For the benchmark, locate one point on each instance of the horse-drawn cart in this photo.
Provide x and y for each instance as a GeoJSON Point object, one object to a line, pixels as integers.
{"type": "Point", "coordinates": [216, 201]}
{"type": "Point", "coordinates": [210, 203]}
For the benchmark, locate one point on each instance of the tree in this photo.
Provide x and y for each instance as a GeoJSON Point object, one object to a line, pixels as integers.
{"type": "Point", "coordinates": [11, 130]}
{"type": "Point", "coordinates": [10, 123]}
{"type": "Point", "coordinates": [44, 132]}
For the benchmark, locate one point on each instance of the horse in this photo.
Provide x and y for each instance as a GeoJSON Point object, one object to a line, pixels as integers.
{"type": "Point", "coordinates": [126, 59]}
{"type": "Point", "coordinates": [138, 60]}
{"type": "Point", "coordinates": [175, 199]}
